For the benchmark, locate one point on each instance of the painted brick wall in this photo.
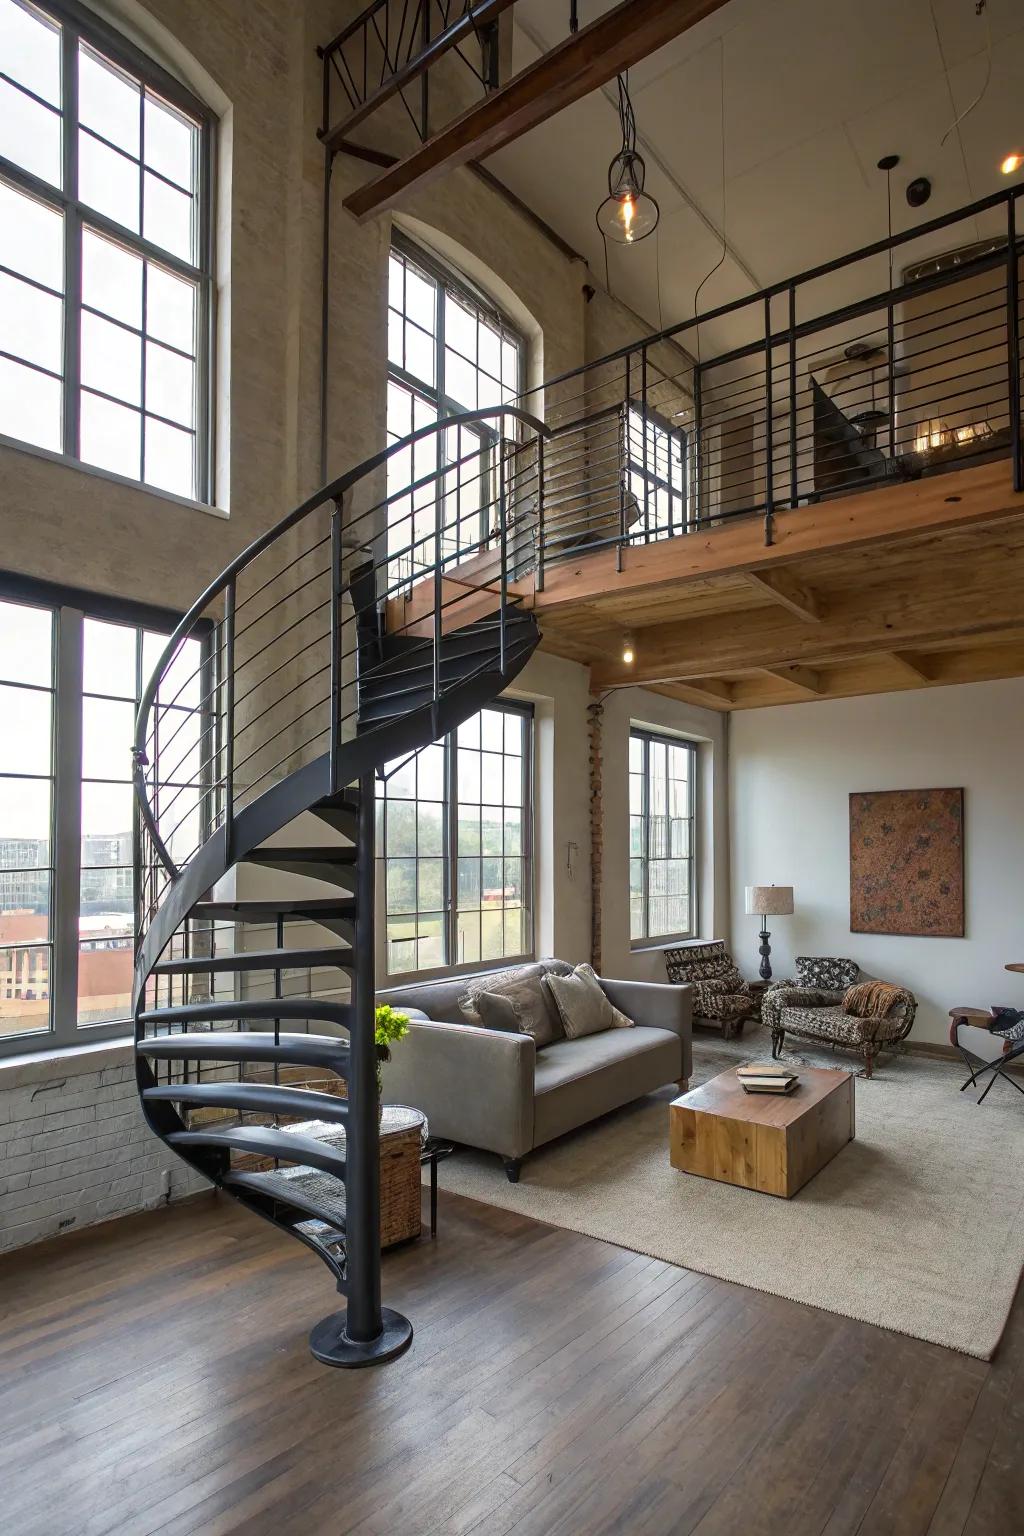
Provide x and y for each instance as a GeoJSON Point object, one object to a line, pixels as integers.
{"type": "Point", "coordinates": [74, 1148]}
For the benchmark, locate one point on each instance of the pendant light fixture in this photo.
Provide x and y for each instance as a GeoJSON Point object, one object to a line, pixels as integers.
{"type": "Point", "coordinates": [628, 213]}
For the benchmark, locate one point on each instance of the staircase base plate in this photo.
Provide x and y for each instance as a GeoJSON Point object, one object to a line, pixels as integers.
{"type": "Point", "coordinates": [331, 1345]}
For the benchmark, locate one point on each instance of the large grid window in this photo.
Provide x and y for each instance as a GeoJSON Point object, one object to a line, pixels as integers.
{"type": "Point", "coordinates": [105, 257]}
{"type": "Point", "coordinates": [455, 840]}
{"type": "Point", "coordinates": [70, 684]}
{"type": "Point", "coordinates": [448, 351]}
{"type": "Point", "coordinates": [662, 797]}
{"type": "Point", "coordinates": [656, 456]}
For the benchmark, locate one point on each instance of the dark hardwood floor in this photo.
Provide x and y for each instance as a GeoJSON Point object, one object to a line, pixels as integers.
{"type": "Point", "coordinates": [155, 1377]}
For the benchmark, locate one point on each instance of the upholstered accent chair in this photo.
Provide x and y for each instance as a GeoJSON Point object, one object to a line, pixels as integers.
{"type": "Point", "coordinates": [812, 1009]}
{"type": "Point", "coordinates": [721, 998]}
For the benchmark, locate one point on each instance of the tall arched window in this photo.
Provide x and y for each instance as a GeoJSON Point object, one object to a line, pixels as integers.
{"type": "Point", "coordinates": [449, 350]}
{"type": "Point", "coordinates": [105, 251]}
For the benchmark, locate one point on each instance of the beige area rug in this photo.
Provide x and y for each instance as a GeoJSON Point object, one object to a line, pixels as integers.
{"type": "Point", "coordinates": [917, 1225]}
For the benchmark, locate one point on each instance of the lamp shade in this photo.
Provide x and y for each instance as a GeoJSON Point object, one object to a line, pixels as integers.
{"type": "Point", "coordinates": [769, 900]}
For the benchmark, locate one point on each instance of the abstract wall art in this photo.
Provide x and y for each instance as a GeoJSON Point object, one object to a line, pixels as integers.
{"type": "Point", "coordinates": [907, 862]}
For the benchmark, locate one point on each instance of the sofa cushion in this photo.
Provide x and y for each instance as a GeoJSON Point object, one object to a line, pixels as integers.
{"type": "Point", "coordinates": [577, 1080]}
{"type": "Point", "coordinates": [496, 981]}
{"type": "Point", "coordinates": [521, 1003]}
{"type": "Point", "coordinates": [582, 1005]}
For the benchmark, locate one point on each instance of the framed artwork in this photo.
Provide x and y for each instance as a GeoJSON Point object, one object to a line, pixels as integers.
{"type": "Point", "coordinates": [907, 862]}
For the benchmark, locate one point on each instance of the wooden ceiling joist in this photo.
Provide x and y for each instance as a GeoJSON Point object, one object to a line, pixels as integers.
{"type": "Point", "coordinates": [914, 668]}
{"type": "Point", "coordinates": [803, 679]}
{"type": "Point", "coordinates": [582, 63]}
{"type": "Point", "coordinates": [958, 600]}
{"type": "Point", "coordinates": [789, 592]}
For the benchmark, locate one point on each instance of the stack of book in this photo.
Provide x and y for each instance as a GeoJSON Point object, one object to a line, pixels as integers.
{"type": "Point", "coordinates": [767, 1079]}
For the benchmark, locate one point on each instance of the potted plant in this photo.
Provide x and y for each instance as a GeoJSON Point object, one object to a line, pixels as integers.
{"type": "Point", "coordinates": [389, 1026]}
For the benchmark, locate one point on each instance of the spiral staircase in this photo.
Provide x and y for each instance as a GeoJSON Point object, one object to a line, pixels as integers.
{"type": "Point", "coordinates": [321, 655]}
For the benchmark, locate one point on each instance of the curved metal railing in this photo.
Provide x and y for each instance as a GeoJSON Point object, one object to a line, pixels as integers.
{"type": "Point", "coordinates": [260, 675]}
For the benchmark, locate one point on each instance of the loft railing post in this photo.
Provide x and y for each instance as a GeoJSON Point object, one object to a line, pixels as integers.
{"type": "Point", "coordinates": [503, 538]}
{"type": "Point", "coordinates": [794, 483]}
{"type": "Point", "coordinates": [623, 450]}
{"type": "Point", "coordinates": [647, 488]}
{"type": "Point", "coordinates": [229, 717]}
{"type": "Point", "coordinates": [336, 642]}
{"type": "Point", "coordinates": [438, 595]}
{"type": "Point", "coordinates": [890, 343]}
{"type": "Point", "coordinates": [769, 489]}
{"type": "Point", "coordinates": [540, 513]}
{"type": "Point", "coordinates": [698, 444]}
{"type": "Point", "coordinates": [1013, 339]}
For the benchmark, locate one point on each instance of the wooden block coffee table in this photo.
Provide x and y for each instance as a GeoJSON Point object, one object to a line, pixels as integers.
{"type": "Point", "coordinates": [770, 1142]}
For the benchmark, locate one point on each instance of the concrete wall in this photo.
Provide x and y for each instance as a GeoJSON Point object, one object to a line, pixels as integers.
{"type": "Point", "coordinates": [792, 770]}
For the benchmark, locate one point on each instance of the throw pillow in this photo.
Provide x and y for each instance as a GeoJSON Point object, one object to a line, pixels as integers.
{"type": "Point", "coordinates": [584, 1008]}
{"type": "Point", "coordinates": [830, 973]}
{"type": "Point", "coordinates": [494, 982]}
{"type": "Point", "coordinates": [496, 1012]}
{"type": "Point", "coordinates": [522, 1000]}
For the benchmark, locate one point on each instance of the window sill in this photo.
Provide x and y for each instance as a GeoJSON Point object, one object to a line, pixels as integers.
{"type": "Point", "coordinates": [654, 946]}
{"type": "Point", "coordinates": [71, 1060]}
{"type": "Point", "coordinates": [67, 462]}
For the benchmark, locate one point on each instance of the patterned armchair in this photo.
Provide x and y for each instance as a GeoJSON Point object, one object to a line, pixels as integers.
{"type": "Point", "coordinates": [812, 1009]}
{"type": "Point", "coordinates": [720, 995]}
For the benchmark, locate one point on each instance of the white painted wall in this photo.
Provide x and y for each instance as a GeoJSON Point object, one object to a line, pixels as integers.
{"type": "Point", "coordinates": [791, 772]}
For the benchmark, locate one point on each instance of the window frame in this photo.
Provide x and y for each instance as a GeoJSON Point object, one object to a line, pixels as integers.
{"type": "Point", "coordinates": [647, 473]}
{"type": "Point", "coordinates": [435, 395]}
{"type": "Point", "coordinates": [69, 610]}
{"type": "Point", "coordinates": [450, 857]}
{"type": "Point", "coordinates": [77, 25]}
{"type": "Point", "coordinates": [647, 736]}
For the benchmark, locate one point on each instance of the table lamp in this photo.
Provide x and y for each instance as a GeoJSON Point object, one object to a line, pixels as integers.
{"type": "Point", "coordinates": [766, 901]}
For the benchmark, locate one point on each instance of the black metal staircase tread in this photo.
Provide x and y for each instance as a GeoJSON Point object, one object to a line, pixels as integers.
{"type": "Point", "coordinates": [263, 1098]}
{"type": "Point", "coordinates": [294, 906]}
{"type": "Point", "coordinates": [419, 675]}
{"type": "Point", "coordinates": [231, 1009]}
{"type": "Point", "coordinates": [250, 1045]}
{"type": "Point", "coordinates": [263, 1141]}
{"type": "Point", "coordinates": [257, 960]}
{"type": "Point", "coordinates": [318, 1196]}
{"type": "Point", "coordinates": [329, 854]}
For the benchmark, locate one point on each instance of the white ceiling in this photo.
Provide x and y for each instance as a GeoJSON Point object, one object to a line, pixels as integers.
{"type": "Point", "coordinates": [815, 92]}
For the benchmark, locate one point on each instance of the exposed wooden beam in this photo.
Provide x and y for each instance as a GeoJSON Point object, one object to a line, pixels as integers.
{"type": "Point", "coordinates": [578, 65]}
{"type": "Point", "coordinates": [912, 667]}
{"type": "Point", "coordinates": [875, 674]}
{"type": "Point", "coordinates": [784, 588]}
{"type": "Point", "coordinates": [968, 498]}
{"type": "Point", "coordinates": [708, 692]}
{"type": "Point", "coordinates": [803, 679]}
{"type": "Point", "coordinates": [964, 598]}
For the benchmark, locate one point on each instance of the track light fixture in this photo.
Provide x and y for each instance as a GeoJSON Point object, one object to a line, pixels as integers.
{"type": "Point", "coordinates": [628, 213]}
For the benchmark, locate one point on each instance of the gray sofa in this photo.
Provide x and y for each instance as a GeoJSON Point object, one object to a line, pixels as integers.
{"type": "Point", "coordinates": [495, 1090]}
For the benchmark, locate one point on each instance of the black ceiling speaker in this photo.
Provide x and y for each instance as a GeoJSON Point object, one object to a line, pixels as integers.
{"type": "Point", "coordinates": [919, 191]}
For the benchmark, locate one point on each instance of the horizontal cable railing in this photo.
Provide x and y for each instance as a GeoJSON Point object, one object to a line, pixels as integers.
{"type": "Point", "coordinates": [813, 399]}
{"type": "Point", "coordinates": [296, 620]}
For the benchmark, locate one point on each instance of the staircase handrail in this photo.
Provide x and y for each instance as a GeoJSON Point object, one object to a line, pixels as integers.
{"type": "Point", "coordinates": [331, 492]}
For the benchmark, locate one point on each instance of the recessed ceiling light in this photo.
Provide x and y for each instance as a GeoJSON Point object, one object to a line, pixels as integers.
{"type": "Point", "coordinates": [1011, 163]}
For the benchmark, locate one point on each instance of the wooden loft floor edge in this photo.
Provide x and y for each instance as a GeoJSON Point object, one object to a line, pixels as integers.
{"type": "Point", "coordinates": [963, 498]}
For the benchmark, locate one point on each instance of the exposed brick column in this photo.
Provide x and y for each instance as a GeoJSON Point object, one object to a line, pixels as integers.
{"type": "Point", "coordinates": [595, 710]}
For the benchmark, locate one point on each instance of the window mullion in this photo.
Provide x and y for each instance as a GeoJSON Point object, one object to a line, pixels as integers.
{"type": "Point", "coordinates": [450, 845]}
{"type": "Point", "coordinates": [72, 243]}
{"type": "Point", "coordinates": [67, 825]}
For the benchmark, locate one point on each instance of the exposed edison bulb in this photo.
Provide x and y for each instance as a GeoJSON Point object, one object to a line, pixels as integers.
{"type": "Point", "coordinates": [626, 217]}
{"type": "Point", "coordinates": [628, 650]}
{"type": "Point", "coordinates": [1011, 163]}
